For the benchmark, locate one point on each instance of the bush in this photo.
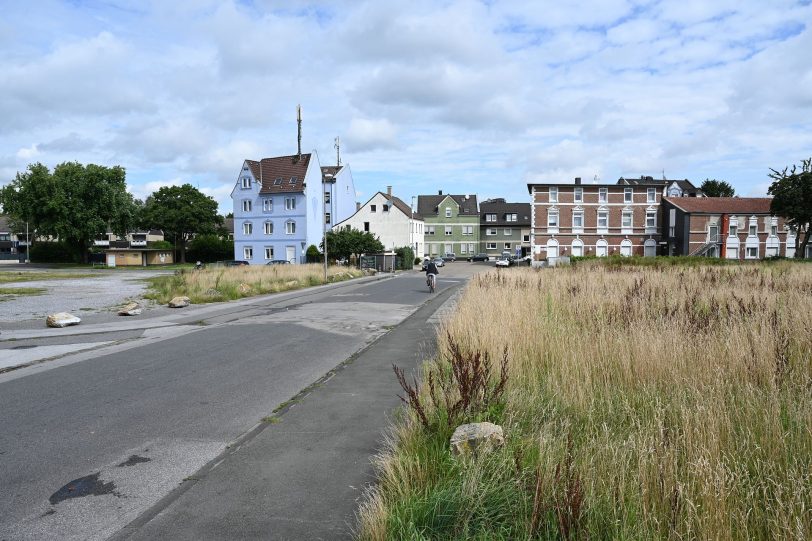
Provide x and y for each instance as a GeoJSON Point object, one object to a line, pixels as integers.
{"type": "Point", "coordinates": [52, 252]}
{"type": "Point", "coordinates": [405, 256]}
{"type": "Point", "coordinates": [209, 248]}
{"type": "Point", "coordinates": [417, 260]}
{"type": "Point", "coordinates": [312, 254]}
{"type": "Point", "coordinates": [160, 245]}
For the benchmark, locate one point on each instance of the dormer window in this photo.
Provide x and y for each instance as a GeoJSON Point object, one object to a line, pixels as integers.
{"type": "Point", "coordinates": [277, 182]}
{"type": "Point", "coordinates": [293, 180]}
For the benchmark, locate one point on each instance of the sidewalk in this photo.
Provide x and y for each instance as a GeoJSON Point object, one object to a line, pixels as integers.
{"type": "Point", "coordinates": [302, 477]}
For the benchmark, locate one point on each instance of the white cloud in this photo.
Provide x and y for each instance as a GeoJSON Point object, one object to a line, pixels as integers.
{"type": "Point", "coordinates": [26, 153]}
{"type": "Point", "coordinates": [365, 135]}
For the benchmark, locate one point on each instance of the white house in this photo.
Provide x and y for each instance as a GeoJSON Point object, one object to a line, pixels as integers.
{"type": "Point", "coordinates": [390, 219]}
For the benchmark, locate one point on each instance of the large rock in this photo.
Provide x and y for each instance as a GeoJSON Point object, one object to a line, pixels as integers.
{"type": "Point", "coordinates": [179, 302]}
{"type": "Point", "coordinates": [130, 309]}
{"type": "Point", "coordinates": [476, 438]}
{"type": "Point", "coordinates": [62, 319]}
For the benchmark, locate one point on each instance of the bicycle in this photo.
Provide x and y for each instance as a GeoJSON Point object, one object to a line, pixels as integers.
{"type": "Point", "coordinates": [431, 281]}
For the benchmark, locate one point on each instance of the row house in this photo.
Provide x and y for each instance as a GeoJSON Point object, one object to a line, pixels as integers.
{"type": "Point", "coordinates": [728, 227]}
{"type": "Point", "coordinates": [451, 224]}
{"type": "Point", "coordinates": [390, 219]}
{"type": "Point", "coordinates": [13, 244]}
{"type": "Point", "coordinates": [284, 204]}
{"type": "Point", "coordinates": [597, 219]}
{"type": "Point", "coordinates": [504, 227]}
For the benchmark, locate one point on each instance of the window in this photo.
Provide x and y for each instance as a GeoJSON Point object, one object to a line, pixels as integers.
{"type": "Point", "coordinates": [290, 203]}
{"type": "Point", "coordinates": [366, 228]}
{"type": "Point", "coordinates": [470, 247]}
{"type": "Point", "coordinates": [651, 195]}
{"type": "Point", "coordinates": [248, 253]}
{"type": "Point", "coordinates": [603, 195]}
{"type": "Point", "coordinates": [269, 228]}
{"type": "Point", "coordinates": [448, 212]}
{"type": "Point", "coordinates": [507, 231]}
{"type": "Point", "coordinates": [526, 238]}
{"type": "Point", "coordinates": [650, 248]}
{"type": "Point", "coordinates": [752, 230]}
{"type": "Point", "coordinates": [507, 246]}
{"type": "Point", "coordinates": [713, 233]}
{"type": "Point", "coordinates": [552, 219]}
{"type": "Point", "coordinates": [246, 205]}
{"type": "Point", "coordinates": [326, 198]}
{"type": "Point", "coordinates": [290, 228]}
{"type": "Point", "coordinates": [327, 217]}
{"type": "Point", "coordinates": [773, 230]}
{"type": "Point", "coordinates": [578, 220]}
{"type": "Point", "coordinates": [578, 195]}
{"type": "Point", "coordinates": [267, 205]}
{"type": "Point", "coordinates": [463, 248]}
{"type": "Point", "coordinates": [603, 221]}
{"type": "Point", "coordinates": [491, 231]}
{"type": "Point", "coordinates": [246, 182]}
{"type": "Point", "coordinates": [733, 230]}
{"type": "Point", "coordinates": [628, 195]}
{"type": "Point", "coordinates": [429, 230]}
{"type": "Point", "coordinates": [247, 228]}
{"type": "Point", "coordinates": [490, 246]}
{"type": "Point", "coordinates": [626, 223]}
{"type": "Point", "coordinates": [577, 248]}
{"type": "Point", "coordinates": [373, 208]}
{"type": "Point", "coordinates": [490, 217]}
{"type": "Point", "coordinates": [626, 248]}
{"type": "Point", "coordinates": [511, 217]}
{"type": "Point", "coordinates": [467, 230]}
{"type": "Point", "coordinates": [601, 248]}
{"type": "Point", "coordinates": [269, 252]}
{"type": "Point", "coordinates": [386, 208]}
{"type": "Point", "coordinates": [751, 252]}
{"type": "Point", "coordinates": [651, 220]}
{"type": "Point", "coordinates": [277, 182]}
{"type": "Point", "coordinates": [448, 231]}
{"type": "Point", "coordinates": [553, 195]}
{"type": "Point", "coordinates": [293, 180]}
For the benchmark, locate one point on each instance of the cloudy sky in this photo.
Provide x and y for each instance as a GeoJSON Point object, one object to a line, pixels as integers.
{"type": "Point", "coordinates": [464, 96]}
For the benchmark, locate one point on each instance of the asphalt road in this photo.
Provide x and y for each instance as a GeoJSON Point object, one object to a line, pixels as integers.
{"type": "Point", "coordinates": [87, 447]}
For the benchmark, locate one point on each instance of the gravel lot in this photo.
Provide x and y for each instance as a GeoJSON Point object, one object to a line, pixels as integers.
{"type": "Point", "coordinates": [81, 296]}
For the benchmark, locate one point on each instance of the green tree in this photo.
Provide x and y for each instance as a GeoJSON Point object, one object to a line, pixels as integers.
{"type": "Point", "coordinates": [717, 188]}
{"type": "Point", "coordinates": [792, 200]}
{"type": "Point", "coordinates": [181, 212]}
{"type": "Point", "coordinates": [351, 242]}
{"type": "Point", "coordinates": [209, 248]}
{"type": "Point", "coordinates": [76, 203]}
{"type": "Point", "coordinates": [312, 254]}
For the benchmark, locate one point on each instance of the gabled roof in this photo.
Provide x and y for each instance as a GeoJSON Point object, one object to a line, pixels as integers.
{"type": "Point", "coordinates": [500, 208]}
{"type": "Point", "coordinates": [283, 169]}
{"type": "Point", "coordinates": [403, 207]}
{"type": "Point", "coordinates": [722, 205]}
{"type": "Point", "coordinates": [5, 224]}
{"type": "Point", "coordinates": [644, 181]}
{"type": "Point", "coordinates": [427, 204]}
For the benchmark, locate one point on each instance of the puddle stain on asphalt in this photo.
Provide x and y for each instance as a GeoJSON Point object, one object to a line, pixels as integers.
{"type": "Point", "coordinates": [133, 460]}
{"type": "Point", "coordinates": [89, 485]}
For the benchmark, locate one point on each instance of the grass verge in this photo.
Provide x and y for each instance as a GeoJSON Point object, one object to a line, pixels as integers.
{"type": "Point", "coordinates": [229, 283]}
{"type": "Point", "coordinates": [27, 276]}
{"type": "Point", "coordinates": [658, 402]}
{"type": "Point", "coordinates": [22, 290]}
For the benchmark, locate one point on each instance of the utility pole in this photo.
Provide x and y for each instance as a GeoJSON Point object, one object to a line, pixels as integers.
{"type": "Point", "coordinates": [324, 223]}
{"type": "Point", "coordinates": [27, 244]}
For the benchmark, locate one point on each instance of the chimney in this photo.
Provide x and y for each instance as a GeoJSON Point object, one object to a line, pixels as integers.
{"type": "Point", "coordinates": [577, 181]}
{"type": "Point", "coordinates": [389, 192]}
{"type": "Point", "coordinates": [357, 206]}
{"type": "Point", "coordinates": [439, 192]}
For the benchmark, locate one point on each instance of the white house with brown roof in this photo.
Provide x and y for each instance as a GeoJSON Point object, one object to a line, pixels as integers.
{"type": "Point", "coordinates": [390, 219]}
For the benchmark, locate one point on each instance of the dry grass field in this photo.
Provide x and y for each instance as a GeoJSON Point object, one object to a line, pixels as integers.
{"type": "Point", "coordinates": [214, 284]}
{"type": "Point", "coordinates": [639, 403]}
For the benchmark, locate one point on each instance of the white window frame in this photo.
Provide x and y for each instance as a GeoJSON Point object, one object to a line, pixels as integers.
{"type": "Point", "coordinates": [449, 230]}
{"type": "Point", "coordinates": [246, 205]}
{"type": "Point", "coordinates": [490, 246]}
{"type": "Point", "coordinates": [247, 229]}
{"type": "Point", "coordinates": [246, 183]}
{"type": "Point", "coordinates": [626, 248]}
{"type": "Point", "coordinates": [507, 231]}
{"type": "Point", "coordinates": [268, 228]}
{"type": "Point", "coordinates": [267, 205]}
{"type": "Point", "coordinates": [651, 195]}
{"type": "Point", "coordinates": [448, 212]}
{"type": "Point", "coordinates": [553, 194]}
{"type": "Point", "coordinates": [248, 253]}
{"type": "Point", "coordinates": [651, 221]}
{"type": "Point", "coordinates": [490, 217]}
{"type": "Point", "coordinates": [269, 252]}
{"type": "Point", "coordinates": [290, 203]}
{"type": "Point", "coordinates": [577, 245]}
{"type": "Point", "coordinates": [601, 248]}
{"type": "Point", "coordinates": [650, 245]}
{"type": "Point", "coordinates": [603, 195]}
{"type": "Point", "coordinates": [430, 230]}
{"type": "Point", "coordinates": [578, 195]}
{"type": "Point", "coordinates": [491, 231]}
{"type": "Point", "coordinates": [605, 227]}
{"type": "Point", "coordinates": [752, 229]}
{"type": "Point", "coordinates": [471, 247]}
{"type": "Point", "coordinates": [290, 227]}
{"type": "Point", "coordinates": [467, 230]}
{"type": "Point", "coordinates": [327, 217]}
{"type": "Point", "coordinates": [578, 215]}
{"type": "Point", "coordinates": [748, 250]}
{"type": "Point", "coordinates": [511, 217]}
{"type": "Point", "coordinates": [552, 221]}
{"type": "Point", "coordinates": [507, 246]}
{"type": "Point", "coordinates": [326, 198]}
{"type": "Point", "coordinates": [463, 248]}
{"type": "Point", "coordinates": [628, 195]}
{"type": "Point", "coordinates": [624, 228]}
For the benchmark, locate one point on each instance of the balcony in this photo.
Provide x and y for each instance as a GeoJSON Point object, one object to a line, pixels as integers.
{"type": "Point", "coordinates": [136, 243]}
{"type": "Point", "coordinates": [101, 242]}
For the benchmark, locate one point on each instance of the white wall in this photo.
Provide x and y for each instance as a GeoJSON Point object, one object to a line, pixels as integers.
{"type": "Point", "coordinates": [393, 228]}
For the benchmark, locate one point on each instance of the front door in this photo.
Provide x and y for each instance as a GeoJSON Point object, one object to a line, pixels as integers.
{"type": "Point", "coordinates": [290, 254]}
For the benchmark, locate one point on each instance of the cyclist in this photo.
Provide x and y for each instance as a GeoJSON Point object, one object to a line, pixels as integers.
{"type": "Point", "coordinates": [431, 272]}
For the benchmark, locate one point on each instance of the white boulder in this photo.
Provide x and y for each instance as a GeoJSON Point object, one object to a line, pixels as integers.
{"type": "Point", "coordinates": [476, 438]}
{"type": "Point", "coordinates": [130, 309]}
{"type": "Point", "coordinates": [180, 302]}
{"type": "Point", "coordinates": [62, 319]}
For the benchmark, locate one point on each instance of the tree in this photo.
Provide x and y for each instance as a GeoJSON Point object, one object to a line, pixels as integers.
{"type": "Point", "coordinates": [792, 200]}
{"type": "Point", "coordinates": [348, 242]}
{"type": "Point", "coordinates": [717, 188]}
{"type": "Point", "coordinates": [181, 212]}
{"type": "Point", "coordinates": [312, 255]}
{"type": "Point", "coordinates": [75, 203]}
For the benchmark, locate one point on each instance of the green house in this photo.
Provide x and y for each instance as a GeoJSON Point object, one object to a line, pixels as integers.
{"type": "Point", "coordinates": [452, 224]}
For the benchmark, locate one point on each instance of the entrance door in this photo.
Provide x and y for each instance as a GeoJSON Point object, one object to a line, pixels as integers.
{"type": "Point", "coordinates": [111, 260]}
{"type": "Point", "coordinates": [290, 254]}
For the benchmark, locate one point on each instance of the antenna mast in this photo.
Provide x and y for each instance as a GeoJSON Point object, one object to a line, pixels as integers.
{"type": "Point", "coordinates": [337, 145]}
{"type": "Point", "coordinates": [299, 122]}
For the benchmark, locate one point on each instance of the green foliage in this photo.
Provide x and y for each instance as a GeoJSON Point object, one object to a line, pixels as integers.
{"type": "Point", "coordinates": [405, 257]}
{"type": "Point", "coordinates": [53, 252]}
{"type": "Point", "coordinates": [717, 188]}
{"type": "Point", "coordinates": [792, 200]}
{"type": "Point", "coordinates": [181, 212]}
{"type": "Point", "coordinates": [313, 255]}
{"type": "Point", "coordinates": [75, 203]}
{"type": "Point", "coordinates": [160, 245]}
{"type": "Point", "coordinates": [209, 248]}
{"type": "Point", "coordinates": [349, 242]}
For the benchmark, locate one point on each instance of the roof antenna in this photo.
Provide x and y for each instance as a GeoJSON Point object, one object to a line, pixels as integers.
{"type": "Point", "coordinates": [595, 179]}
{"type": "Point", "coordinates": [299, 122]}
{"type": "Point", "coordinates": [663, 174]}
{"type": "Point", "coordinates": [338, 151]}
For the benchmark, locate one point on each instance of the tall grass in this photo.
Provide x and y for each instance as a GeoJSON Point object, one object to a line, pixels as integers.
{"type": "Point", "coordinates": [228, 283]}
{"type": "Point", "coordinates": [644, 402]}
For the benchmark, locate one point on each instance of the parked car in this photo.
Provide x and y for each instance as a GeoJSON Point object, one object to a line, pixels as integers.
{"type": "Point", "coordinates": [504, 262]}
{"type": "Point", "coordinates": [439, 261]}
{"type": "Point", "coordinates": [234, 263]}
{"type": "Point", "coordinates": [278, 262]}
{"type": "Point", "coordinates": [479, 257]}
{"type": "Point", "coordinates": [449, 256]}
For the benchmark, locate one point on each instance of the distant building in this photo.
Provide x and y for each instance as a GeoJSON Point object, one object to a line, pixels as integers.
{"type": "Point", "coordinates": [391, 220]}
{"type": "Point", "coordinates": [504, 227]}
{"type": "Point", "coordinates": [452, 224]}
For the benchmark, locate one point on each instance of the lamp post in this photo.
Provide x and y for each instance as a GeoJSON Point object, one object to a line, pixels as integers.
{"type": "Point", "coordinates": [27, 245]}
